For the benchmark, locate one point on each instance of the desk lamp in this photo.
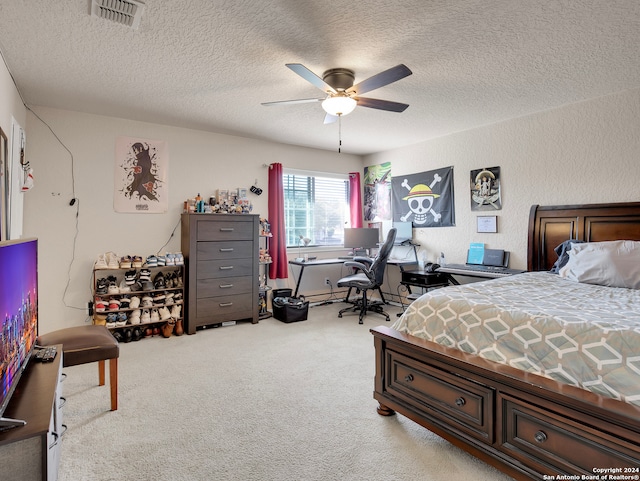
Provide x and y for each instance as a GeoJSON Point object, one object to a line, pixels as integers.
{"type": "Point", "coordinates": [303, 240]}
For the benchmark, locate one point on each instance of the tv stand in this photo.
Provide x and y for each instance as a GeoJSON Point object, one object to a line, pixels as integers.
{"type": "Point", "coordinates": [31, 451]}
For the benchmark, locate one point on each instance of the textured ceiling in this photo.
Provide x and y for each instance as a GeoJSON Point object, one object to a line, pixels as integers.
{"type": "Point", "coordinates": [208, 64]}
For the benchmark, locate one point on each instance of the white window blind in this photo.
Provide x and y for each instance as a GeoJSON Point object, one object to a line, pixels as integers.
{"type": "Point", "coordinates": [316, 207]}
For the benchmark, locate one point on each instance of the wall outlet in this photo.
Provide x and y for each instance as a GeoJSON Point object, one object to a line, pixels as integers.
{"type": "Point", "coordinates": [327, 281]}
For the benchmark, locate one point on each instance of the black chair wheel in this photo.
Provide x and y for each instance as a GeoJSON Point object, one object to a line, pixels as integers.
{"type": "Point", "coordinates": [340, 315]}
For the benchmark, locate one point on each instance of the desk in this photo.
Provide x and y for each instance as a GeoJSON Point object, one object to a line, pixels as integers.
{"type": "Point", "coordinates": [326, 262]}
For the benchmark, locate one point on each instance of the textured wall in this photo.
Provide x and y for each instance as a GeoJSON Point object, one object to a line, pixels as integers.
{"type": "Point", "coordinates": [581, 153]}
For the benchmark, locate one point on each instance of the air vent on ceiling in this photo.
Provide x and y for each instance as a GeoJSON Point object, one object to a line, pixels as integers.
{"type": "Point", "coordinates": [125, 12]}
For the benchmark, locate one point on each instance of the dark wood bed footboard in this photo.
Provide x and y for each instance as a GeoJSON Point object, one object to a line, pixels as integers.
{"type": "Point", "coordinates": [526, 425]}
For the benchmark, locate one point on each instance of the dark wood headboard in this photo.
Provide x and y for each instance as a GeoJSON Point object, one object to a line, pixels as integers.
{"type": "Point", "coordinates": [549, 226]}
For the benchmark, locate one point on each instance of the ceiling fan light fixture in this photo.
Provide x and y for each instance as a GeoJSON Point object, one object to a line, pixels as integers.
{"type": "Point", "coordinates": [339, 105]}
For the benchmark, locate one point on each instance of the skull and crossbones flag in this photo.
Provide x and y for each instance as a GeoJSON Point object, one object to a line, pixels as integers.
{"type": "Point", "coordinates": [425, 199]}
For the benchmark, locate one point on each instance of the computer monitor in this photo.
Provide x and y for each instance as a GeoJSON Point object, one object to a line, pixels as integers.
{"type": "Point", "coordinates": [361, 238]}
{"type": "Point", "coordinates": [404, 231]}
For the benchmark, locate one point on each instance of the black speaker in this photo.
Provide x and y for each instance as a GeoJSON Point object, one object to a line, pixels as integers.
{"type": "Point", "coordinates": [255, 190]}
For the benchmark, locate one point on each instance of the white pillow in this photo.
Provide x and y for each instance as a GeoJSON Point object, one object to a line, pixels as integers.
{"type": "Point", "coordinates": [610, 263]}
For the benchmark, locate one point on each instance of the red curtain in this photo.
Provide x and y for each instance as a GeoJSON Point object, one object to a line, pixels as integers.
{"type": "Point", "coordinates": [355, 199]}
{"type": "Point", "coordinates": [278, 245]}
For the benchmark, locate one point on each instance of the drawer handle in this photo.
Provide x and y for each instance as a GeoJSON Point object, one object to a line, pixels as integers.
{"type": "Point", "coordinates": [225, 268]}
{"type": "Point", "coordinates": [225, 286]}
{"type": "Point", "coordinates": [226, 229]}
{"type": "Point", "coordinates": [460, 402]}
{"type": "Point", "coordinates": [408, 378]}
{"type": "Point", "coordinates": [227, 249]}
{"type": "Point", "coordinates": [540, 436]}
{"type": "Point", "coordinates": [225, 304]}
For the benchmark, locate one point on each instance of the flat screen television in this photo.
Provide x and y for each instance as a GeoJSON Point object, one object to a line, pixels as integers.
{"type": "Point", "coordinates": [361, 238]}
{"type": "Point", "coordinates": [19, 316]}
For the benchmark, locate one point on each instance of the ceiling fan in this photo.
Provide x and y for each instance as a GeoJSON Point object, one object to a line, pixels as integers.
{"type": "Point", "coordinates": [342, 96]}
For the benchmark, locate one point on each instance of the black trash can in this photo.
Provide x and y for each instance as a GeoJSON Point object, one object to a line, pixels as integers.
{"type": "Point", "coordinates": [290, 309]}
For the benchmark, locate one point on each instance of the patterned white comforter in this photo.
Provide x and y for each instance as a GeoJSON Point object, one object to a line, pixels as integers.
{"type": "Point", "coordinates": [579, 334]}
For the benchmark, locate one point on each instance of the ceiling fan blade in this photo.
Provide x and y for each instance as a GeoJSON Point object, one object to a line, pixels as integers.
{"type": "Point", "coordinates": [330, 119]}
{"type": "Point", "coordinates": [290, 102]}
{"type": "Point", "coordinates": [387, 105]}
{"type": "Point", "coordinates": [380, 80]}
{"type": "Point", "coordinates": [310, 77]}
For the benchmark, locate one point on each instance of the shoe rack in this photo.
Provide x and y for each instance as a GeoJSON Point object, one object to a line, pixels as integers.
{"type": "Point", "coordinates": [158, 310]}
{"type": "Point", "coordinates": [264, 263]}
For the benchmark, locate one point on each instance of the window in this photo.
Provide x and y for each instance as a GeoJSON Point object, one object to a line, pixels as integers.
{"type": "Point", "coordinates": [316, 206]}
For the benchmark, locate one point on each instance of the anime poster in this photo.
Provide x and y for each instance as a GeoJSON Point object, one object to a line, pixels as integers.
{"type": "Point", "coordinates": [426, 199]}
{"type": "Point", "coordinates": [141, 176]}
{"type": "Point", "coordinates": [377, 192]}
{"type": "Point", "coordinates": [485, 189]}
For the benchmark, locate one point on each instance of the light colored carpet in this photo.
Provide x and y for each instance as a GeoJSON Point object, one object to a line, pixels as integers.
{"type": "Point", "coordinates": [271, 401]}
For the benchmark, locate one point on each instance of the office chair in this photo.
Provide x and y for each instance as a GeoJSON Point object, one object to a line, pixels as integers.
{"type": "Point", "coordinates": [370, 276]}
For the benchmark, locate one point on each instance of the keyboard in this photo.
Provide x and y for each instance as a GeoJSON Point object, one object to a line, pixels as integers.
{"type": "Point", "coordinates": [487, 271]}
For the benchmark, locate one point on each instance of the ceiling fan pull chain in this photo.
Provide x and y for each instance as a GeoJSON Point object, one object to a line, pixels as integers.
{"type": "Point", "coordinates": [339, 133]}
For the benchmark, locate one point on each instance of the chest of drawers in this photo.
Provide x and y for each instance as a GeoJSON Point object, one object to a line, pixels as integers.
{"type": "Point", "coordinates": [221, 258]}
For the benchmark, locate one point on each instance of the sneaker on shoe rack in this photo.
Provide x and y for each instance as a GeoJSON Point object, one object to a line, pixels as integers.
{"type": "Point", "coordinates": [134, 318]}
{"type": "Point", "coordinates": [164, 313]}
{"type": "Point", "coordinates": [179, 258]}
{"type": "Point", "coordinates": [125, 262]}
{"type": "Point", "coordinates": [114, 304]}
{"type": "Point", "coordinates": [112, 317]}
{"type": "Point", "coordinates": [145, 317]}
{"type": "Point", "coordinates": [100, 320]}
{"type": "Point", "coordinates": [168, 298]}
{"type": "Point", "coordinates": [124, 287]}
{"type": "Point", "coordinates": [136, 261]}
{"type": "Point", "coordinates": [137, 286]}
{"type": "Point", "coordinates": [135, 302]}
{"type": "Point", "coordinates": [147, 301]}
{"type": "Point", "coordinates": [118, 336]}
{"type": "Point", "coordinates": [101, 286]}
{"type": "Point", "coordinates": [170, 280]}
{"type": "Point", "coordinates": [170, 259]}
{"type": "Point", "coordinates": [101, 262]}
{"type": "Point", "coordinates": [101, 305]}
{"type": "Point", "coordinates": [147, 286]}
{"type": "Point", "coordinates": [178, 298]}
{"type": "Point", "coordinates": [158, 299]}
{"type": "Point", "coordinates": [155, 315]}
{"type": "Point", "coordinates": [175, 311]}
{"type": "Point", "coordinates": [121, 320]}
{"type": "Point", "coordinates": [113, 261]}
{"type": "Point", "coordinates": [178, 279]}
{"type": "Point", "coordinates": [113, 288]}
{"type": "Point", "coordinates": [145, 275]}
{"type": "Point", "coordinates": [125, 302]}
{"type": "Point", "coordinates": [130, 277]}
{"type": "Point", "coordinates": [152, 261]}
{"type": "Point", "coordinates": [162, 261]}
{"type": "Point", "coordinates": [159, 281]}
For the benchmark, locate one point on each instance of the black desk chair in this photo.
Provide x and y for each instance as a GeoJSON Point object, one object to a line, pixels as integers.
{"type": "Point", "coordinates": [370, 276]}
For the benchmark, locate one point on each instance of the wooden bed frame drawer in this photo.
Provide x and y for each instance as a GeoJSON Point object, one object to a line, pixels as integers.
{"type": "Point", "coordinates": [558, 444]}
{"type": "Point", "coordinates": [448, 397]}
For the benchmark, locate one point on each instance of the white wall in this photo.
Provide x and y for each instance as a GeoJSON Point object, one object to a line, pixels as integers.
{"type": "Point", "coordinates": [198, 162]}
{"type": "Point", "coordinates": [579, 154]}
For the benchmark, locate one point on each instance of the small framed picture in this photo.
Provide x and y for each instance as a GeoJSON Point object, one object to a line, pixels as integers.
{"type": "Point", "coordinates": [488, 223]}
{"type": "Point", "coordinates": [242, 192]}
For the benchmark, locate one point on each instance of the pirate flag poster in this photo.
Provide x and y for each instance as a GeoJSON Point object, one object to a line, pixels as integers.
{"type": "Point", "coordinates": [141, 176]}
{"type": "Point", "coordinates": [426, 199]}
{"type": "Point", "coordinates": [485, 189]}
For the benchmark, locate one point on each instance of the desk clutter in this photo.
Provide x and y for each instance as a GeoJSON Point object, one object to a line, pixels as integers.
{"type": "Point", "coordinates": [225, 201]}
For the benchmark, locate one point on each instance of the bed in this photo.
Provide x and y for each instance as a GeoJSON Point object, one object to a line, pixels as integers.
{"type": "Point", "coordinates": [565, 404]}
